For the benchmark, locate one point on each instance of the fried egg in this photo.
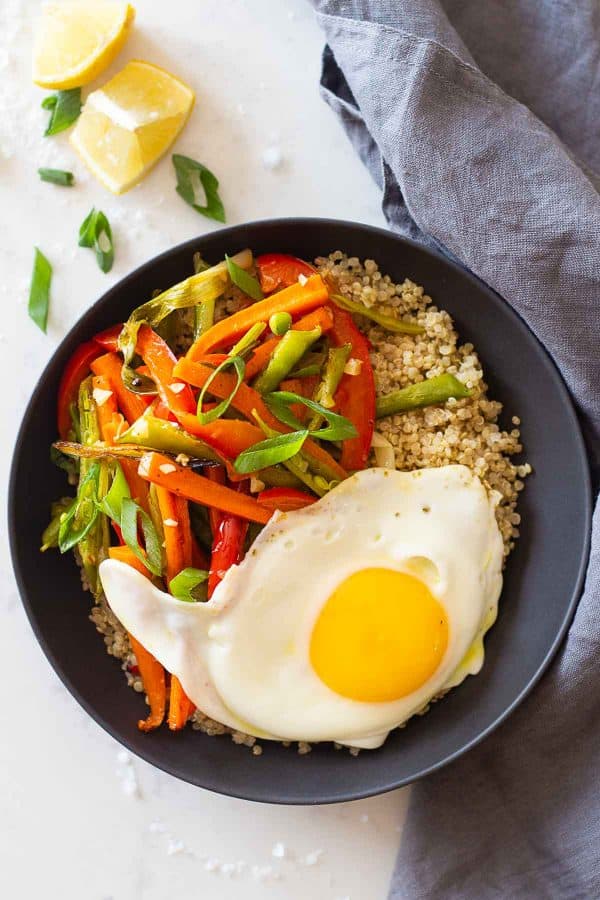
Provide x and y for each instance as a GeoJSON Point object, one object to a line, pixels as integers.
{"type": "Point", "coordinates": [344, 619]}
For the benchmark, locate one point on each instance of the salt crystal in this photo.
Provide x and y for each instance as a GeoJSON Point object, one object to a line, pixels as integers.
{"type": "Point", "coordinates": [278, 850]}
{"type": "Point", "coordinates": [174, 847]}
{"type": "Point", "coordinates": [272, 158]}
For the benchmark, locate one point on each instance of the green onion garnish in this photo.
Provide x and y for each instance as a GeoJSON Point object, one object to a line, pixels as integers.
{"type": "Point", "coordinates": [112, 504]}
{"type": "Point", "coordinates": [65, 107]}
{"type": "Point", "coordinates": [39, 291]}
{"type": "Point", "coordinates": [246, 283]}
{"type": "Point", "coordinates": [95, 232]}
{"type": "Point", "coordinates": [240, 367]}
{"type": "Point", "coordinates": [338, 428]}
{"type": "Point", "coordinates": [57, 176]}
{"type": "Point", "coordinates": [188, 585]}
{"type": "Point", "coordinates": [270, 452]}
{"type": "Point", "coordinates": [152, 558]}
{"type": "Point", "coordinates": [192, 176]}
{"type": "Point", "coordinates": [79, 519]}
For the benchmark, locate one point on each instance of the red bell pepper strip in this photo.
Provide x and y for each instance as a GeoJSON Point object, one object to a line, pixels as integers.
{"type": "Point", "coordinates": [229, 535]}
{"type": "Point", "coordinates": [109, 338]}
{"type": "Point", "coordinates": [285, 499]}
{"type": "Point", "coordinates": [278, 270]}
{"type": "Point", "coordinates": [355, 396]}
{"type": "Point", "coordinates": [77, 368]}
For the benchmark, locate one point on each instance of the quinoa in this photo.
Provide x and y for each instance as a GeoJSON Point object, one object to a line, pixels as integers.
{"type": "Point", "coordinates": [464, 431]}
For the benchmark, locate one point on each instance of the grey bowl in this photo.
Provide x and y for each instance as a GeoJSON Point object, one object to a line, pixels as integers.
{"type": "Point", "coordinates": [543, 577]}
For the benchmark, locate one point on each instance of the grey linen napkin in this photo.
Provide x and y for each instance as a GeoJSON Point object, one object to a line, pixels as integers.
{"type": "Point", "coordinates": [479, 119]}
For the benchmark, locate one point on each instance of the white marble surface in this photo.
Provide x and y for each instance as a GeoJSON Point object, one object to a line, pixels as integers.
{"type": "Point", "coordinates": [79, 821]}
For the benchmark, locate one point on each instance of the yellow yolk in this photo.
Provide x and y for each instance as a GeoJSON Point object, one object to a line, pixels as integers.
{"type": "Point", "coordinates": [380, 636]}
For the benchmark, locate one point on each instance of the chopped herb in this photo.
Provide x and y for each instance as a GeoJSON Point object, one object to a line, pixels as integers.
{"type": "Point", "coordinates": [270, 452]}
{"type": "Point", "coordinates": [95, 232]}
{"type": "Point", "coordinates": [65, 107]}
{"type": "Point", "coordinates": [152, 558]}
{"type": "Point", "coordinates": [112, 504]}
{"type": "Point", "coordinates": [57, 176]}
{"type": "Point", "coordinates": [193, 176]}
{"type": "Point", "coordinates": [39, 292]}
{"type": "Point", "coordinates": [189, 585]}
{"type": "Point", "coordinates": [338, 428]}
{"type": "Point", "coordinates": [246, 283]}
{"type": "Point", "coordinates": [240, 368]}
{"type": "Point", "coordinates": [81, 516]}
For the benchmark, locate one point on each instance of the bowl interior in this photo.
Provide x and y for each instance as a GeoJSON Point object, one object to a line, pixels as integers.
{"type": "Point", "coordinates": [542, 579]}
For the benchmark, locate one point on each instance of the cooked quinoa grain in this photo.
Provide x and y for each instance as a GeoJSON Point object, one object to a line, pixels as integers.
{"type": "Point", "coordinates": [463, 431]}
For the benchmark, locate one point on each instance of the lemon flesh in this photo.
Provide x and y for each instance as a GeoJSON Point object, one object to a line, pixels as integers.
{"type": "Point", "coordinates": [127, 125]}
{"type": "Point", "coordinates": [75, 42]}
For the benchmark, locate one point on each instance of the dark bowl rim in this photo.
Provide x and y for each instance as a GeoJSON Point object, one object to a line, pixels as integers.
{"type": "Point", "coordinates": [309, 222]}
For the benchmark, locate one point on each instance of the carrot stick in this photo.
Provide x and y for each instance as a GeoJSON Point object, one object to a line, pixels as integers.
{"type": "Point", "coordinates": [151, 671]}
{"type": "Point", "coordinates": [160, 470]}
{"type": "Point", "coordinates": [246, 400]}
{"type": "Point", "coordinates": [296, 299]}
{"type": "Point", "coordinates": [228, 436]}
{"type": "Point", "coordinates": [106, 402]}
{"type": "Point", "coordinates": [178, 549]}
{"type": "Point", "coordinates": [321, 317]}
{"type": "Point", "coordinates": [125, 555]}
{"type": "Point", "coordinates": [161, 360]}
{"type": "Point", "coordinates": [131, 405]}
{"type": "Point", "coordinates": [180, 705]}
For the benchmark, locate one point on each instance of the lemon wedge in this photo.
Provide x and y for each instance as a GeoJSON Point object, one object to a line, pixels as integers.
{"type": "Point", "coordinates": [127, 125]}
{"type": "Point", "coordinates": [77, 41]}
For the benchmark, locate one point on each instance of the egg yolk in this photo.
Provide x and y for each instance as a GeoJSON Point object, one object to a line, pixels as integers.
{"type": "Point", "coordinates": [380, 636]}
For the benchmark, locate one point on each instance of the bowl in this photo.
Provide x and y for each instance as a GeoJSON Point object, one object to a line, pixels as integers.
{"type": "Point", "coordinates": [543, 576]}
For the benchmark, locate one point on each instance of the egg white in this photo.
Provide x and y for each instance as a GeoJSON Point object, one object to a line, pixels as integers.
{"type": "Point", "coordinates": [243, 657]}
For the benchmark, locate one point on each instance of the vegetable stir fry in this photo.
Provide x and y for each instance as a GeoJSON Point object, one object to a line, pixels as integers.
{"type": "Point", "coordinates": [184, 432]}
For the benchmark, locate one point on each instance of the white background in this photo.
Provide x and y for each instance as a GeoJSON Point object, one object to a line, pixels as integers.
{"type": "Point", "coordinates": [77, 820]}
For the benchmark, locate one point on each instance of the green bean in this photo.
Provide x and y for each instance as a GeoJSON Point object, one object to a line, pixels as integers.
{"type": "Point", "coordinates": [166, 437]}
{"type": "Point", "coordinates": [334, 369]}
{"type": "Point", "coordinates": [425, 393]}
{"type": "Point", "coordinates": [288, 352]}
{"type": "Point", "coordinates": [399, 326]}
{"type": "Point", "coordinates": [92, 548]}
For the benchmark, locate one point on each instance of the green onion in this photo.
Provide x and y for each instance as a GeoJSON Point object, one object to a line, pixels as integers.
{"type": "Point", "coordinates": [240, 367]}
{"type": "Point", "coordinates": [298, 467]}
{"type": "Point", "coordinates": [248, 341]}
{"type": "Point", "coordinates": [338, 427]}
{"type": "Point", "coordinates": [191, 176]}
{"type": "Point", "coordinates": [95, 232]}
{"type": "Point", "coordinates": [337, 358]}
{"type": "Point", "coordinates": [39, 292]}
{"type": "Point", "coordinates": [113, 501]}
{"type": "Point", "coordinates": [287, 354]}
{"type": "Point", "coordinates": [203, 287]}
{"type": "Point", "coordinates": [152, 558]}
{"type": "Point", "coordinates": [65, 107]}
{"type": "Point", "coordinates": [57, 176]}
{"type": "Point", "coordinates": [270, 452]}
{"type": "Point", "coordinates": [425, 393]}
{"type": "Point", "coordinates": [246, 283]}
{"type": "Point", "coordinates": [280, 322]}
{"type": "Point", "coordinates": [80, 518]}
{"type": "Point", "coordinates": [399, 326]}
{"type": "Point", "coordinates": [57, 510]}
{"type": "Point", "coordinates": [204, 313]}
{"type": "Point", "coordinates": [305, 371]}
{"type": "Point", "coordinates": [185, 585]}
